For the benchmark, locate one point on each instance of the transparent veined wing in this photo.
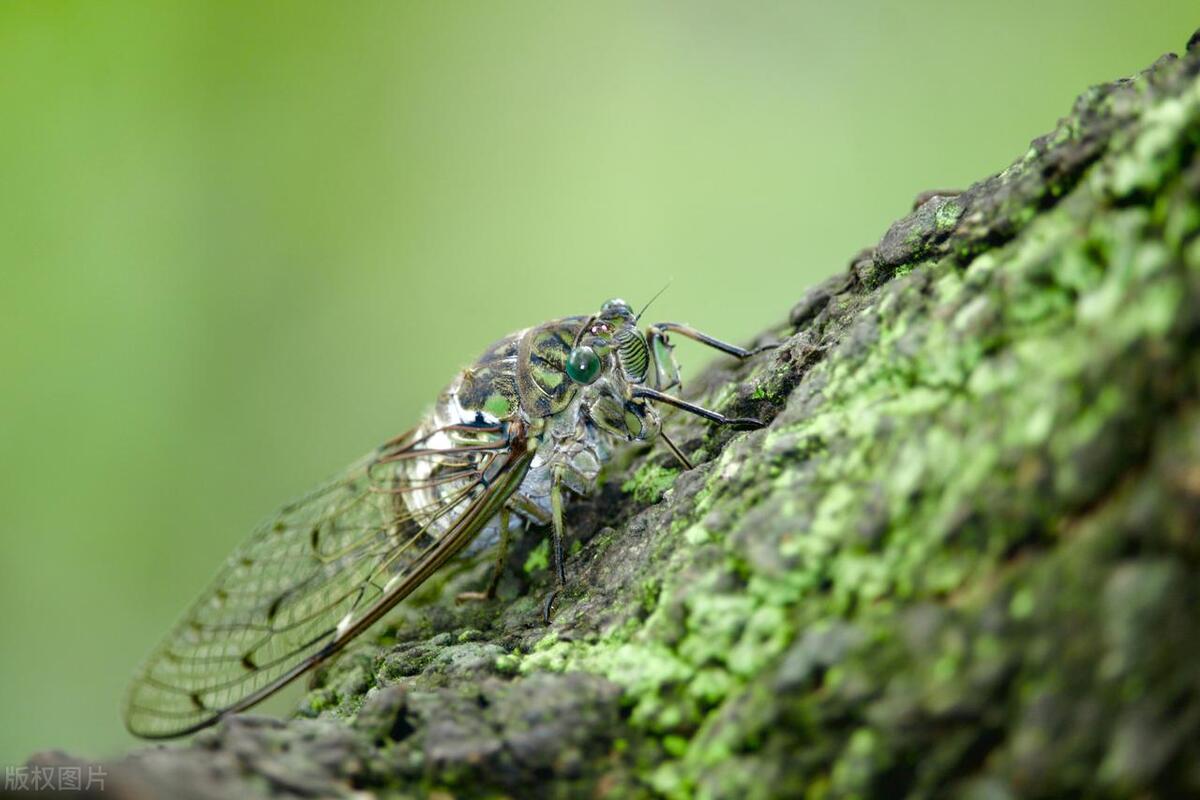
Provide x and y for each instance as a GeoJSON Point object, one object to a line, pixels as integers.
{"type": "Point", "coordinates": [323, 569]}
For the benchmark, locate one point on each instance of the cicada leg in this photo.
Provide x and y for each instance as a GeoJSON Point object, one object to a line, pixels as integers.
{"type": "Point", "coordinates": [501, 559]}
{"type": "Point", "coordinates": [557, 531]}
{"type": "Point", "coordinates": [683, 460]}
{"type": "Point", "coordinates": [659, 329]}
{"type": "Point", "coordinates": [666, 375]}
{"type": "Point", "coordinates": [666, 370]}
{"type": "Point", "coordinates": [741, 423]}
{"type": "Point", "coordinates": [526, 508]}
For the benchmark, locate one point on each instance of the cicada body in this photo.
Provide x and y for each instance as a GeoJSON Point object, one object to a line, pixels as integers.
{"type": "Point", "coordinates": [531, 421]}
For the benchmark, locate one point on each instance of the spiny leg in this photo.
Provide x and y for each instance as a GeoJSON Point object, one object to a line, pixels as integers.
{"type": "Point", "coordinates": [741, 423]}
{"type": "Point", "coordinates": [556, 508]}
{"type": "Point", "coordinates": [498, 566]}
{"type": "Point", "coordinates": [529, 509]}
{"type": "Point", "coordinates": [666, 369]}
{"type": "Point", "coordinates": [658, 329]}
{"type": "Point", "coordinates": [675, 451]}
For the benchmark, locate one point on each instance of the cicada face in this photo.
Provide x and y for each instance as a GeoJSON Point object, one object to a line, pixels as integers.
{"type": "Point", "coordinates": [608, 360]}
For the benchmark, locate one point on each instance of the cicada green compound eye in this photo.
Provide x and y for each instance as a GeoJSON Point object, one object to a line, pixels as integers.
{"type": "Point", "coordinates": [583, 365]}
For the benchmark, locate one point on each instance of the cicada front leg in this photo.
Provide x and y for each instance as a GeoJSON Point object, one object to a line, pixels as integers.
{"type": "Point", "coordinates": [738, 423]}
{"type": "Point", "coordinates": [666, 376]}
{"type": "Point", "coordinates": [662, 358]}
{"type": "Point", "coordinates": [666, 369]}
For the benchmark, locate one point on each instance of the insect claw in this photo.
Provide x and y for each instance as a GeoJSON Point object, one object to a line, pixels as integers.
{"type": "Point", "coordinates": [472, 597]}
{"type": "Point", "coordinates": [746, 424]}
{"type": "Point", "coordinates": [548, 604]}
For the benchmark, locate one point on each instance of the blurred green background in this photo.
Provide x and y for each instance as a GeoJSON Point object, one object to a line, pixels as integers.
{"type": "Point", "coordinates": [242, 243]}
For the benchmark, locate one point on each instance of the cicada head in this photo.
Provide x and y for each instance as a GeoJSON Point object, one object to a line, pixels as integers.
{"type": "Point", "coordinates": [611, 331]}
{"type": "Point", "coordinates": [608, 358]}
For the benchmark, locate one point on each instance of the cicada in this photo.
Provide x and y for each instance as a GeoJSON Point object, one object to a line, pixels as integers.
{"type": "Point", "coordinates": [528, 424]}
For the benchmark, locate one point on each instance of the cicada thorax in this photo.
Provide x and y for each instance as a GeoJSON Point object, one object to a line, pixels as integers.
{"type": "Point", "coordinates": [542, 353]}
{"type": "Point", "coordinates": [487, 388]}
{"type": "Point", "coordinates": [468, 429]}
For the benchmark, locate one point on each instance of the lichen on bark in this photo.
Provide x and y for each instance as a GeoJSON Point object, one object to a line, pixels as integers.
{"type": "Point", "coordinates": [961, 560]}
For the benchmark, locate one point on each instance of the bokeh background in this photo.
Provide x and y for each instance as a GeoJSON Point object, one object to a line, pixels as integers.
{"type": "Point", "coordinates": [242, 243]}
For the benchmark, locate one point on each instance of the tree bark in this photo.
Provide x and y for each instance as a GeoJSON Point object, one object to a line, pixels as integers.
{"type": "Point", "coordinates": [962, 560]}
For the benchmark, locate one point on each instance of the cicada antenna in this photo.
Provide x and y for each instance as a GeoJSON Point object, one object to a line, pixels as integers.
{"type": "Point", "coordinates": [657, 295]}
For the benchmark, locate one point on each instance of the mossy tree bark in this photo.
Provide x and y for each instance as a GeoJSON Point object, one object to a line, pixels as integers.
{"type": "Point", "coordinates": [962, 559]}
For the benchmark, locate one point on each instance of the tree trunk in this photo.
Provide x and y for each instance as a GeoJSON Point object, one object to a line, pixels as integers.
{"type": "Point", "coordinates": [962, 559]}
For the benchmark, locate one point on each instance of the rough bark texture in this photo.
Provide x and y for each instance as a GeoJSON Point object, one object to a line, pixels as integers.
{"type": "Point", "coordinates": [962, 559]}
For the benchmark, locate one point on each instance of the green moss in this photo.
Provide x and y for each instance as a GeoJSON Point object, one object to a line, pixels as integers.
{"type": "Point", "coordinates": [317, 701]}
{"type": "Point", "coordinates": [650, 482]}
{"type": "Point", "coordinates": [696, 535]}
{"type": "Point", "coordinates": [539, 557]}
{"type": "Point", "coordinates": [508, 664]}
{"type": "Point", "coordinates": [1167, 128]}
{"type": "Point", "coordinates": [947, 215]}
{"type": "Point", "coordinates": [651, 587]}
{"type": "Point", "coordinates": [675, 746]}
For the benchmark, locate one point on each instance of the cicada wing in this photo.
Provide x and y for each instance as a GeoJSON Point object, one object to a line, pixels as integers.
{"type": "Point", "coordinates": [323, 569]}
